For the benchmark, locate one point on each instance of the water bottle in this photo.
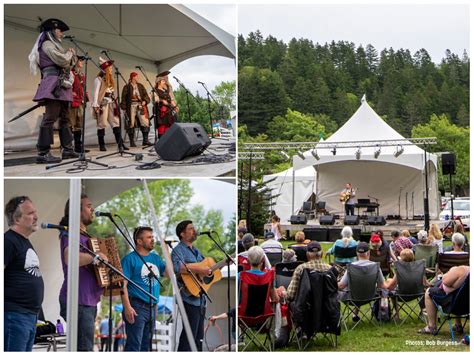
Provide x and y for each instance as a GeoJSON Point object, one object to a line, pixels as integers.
{"type": "Point", "coordinates": [59, 328]}
{"type": "Point", "coordinates": [466, 340]}
{"type": "Point", "coordinates": [446, 217]}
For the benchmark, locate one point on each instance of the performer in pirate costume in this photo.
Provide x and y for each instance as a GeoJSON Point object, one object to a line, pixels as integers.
{"type": "Point", "coordinates": [76, 113]}
{"type": "Point", "coordinates": [134, 102]}
{"type": "Point", "coordinates": [55, 88]}
{"type": "Point", "coordinates": [167, 107]}
{"type": "Point", "coordinates": [104, 104]}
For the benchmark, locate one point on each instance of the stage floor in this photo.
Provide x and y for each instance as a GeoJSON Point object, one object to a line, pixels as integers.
{"type": "Point", "coordinates": [216, 161]}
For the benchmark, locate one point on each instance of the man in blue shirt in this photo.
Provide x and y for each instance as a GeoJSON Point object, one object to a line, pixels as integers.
{"type": "Point", "coordinates": [136, 304]}
{"type": "Point", "coordinates": [195, 307]}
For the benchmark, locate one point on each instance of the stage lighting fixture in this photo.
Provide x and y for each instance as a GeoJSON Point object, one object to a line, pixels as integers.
{"type": "Point", "coordinates": [377, 152]}
{"type": "Point", "coordinates": [399, 151]}
{"type": "Point", "coordinates": [314, 153]}
{"type": "Point", "coordinates": [284, 155]}
{"type": "Point", "coordinates": [358, 153]}
{"type": "Point", "coordinates": [333, 151]}
{"type": "Point", "coordinates": [300, 154]}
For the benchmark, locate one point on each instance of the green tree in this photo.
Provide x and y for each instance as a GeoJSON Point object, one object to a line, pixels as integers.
{"type": "Point", "coordinates": [295, 126]}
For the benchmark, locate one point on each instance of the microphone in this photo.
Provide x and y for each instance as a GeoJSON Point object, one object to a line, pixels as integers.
{"type": "Point", "coordinates": [139, 67]}
{"type": "Point", "coordinates": [175, 78]}
{"type": "Point", "coordinates": [102, 214]}
{"type": "Point", "coordinates": [69, 37]}
{"type": "Point", "coordinates": [53, 226]}
{"type": "Point", "coordinates": [209, 232]}
{"type": "Point", "coordinates": [104, 51]}
{"type": "Point", "coordinates": [200, 82]}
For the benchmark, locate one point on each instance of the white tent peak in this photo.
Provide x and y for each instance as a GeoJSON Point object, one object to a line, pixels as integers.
{"type": "Point", "coordinates": [363, 99]}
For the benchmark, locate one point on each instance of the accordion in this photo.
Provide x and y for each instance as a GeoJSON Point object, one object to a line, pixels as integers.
{"type": "Point", "coordinates": [108, 247]}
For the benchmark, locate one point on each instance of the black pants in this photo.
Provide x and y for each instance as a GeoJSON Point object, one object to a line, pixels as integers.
{"type": "Point", "coordinates": [349, 209]}
{"type": "Point", "coordinates": [196, 321]}
{"type": "Point", "coordinates": [55, 110]}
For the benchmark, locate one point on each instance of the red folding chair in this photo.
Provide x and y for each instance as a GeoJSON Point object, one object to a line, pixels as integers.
{"type": "Point", "coordinates": [242, 260]}
{"type": "Point", "coordinates": [255, 309]}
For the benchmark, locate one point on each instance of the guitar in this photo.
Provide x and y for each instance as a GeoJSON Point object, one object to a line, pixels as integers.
{"type": "Point", "coordinates": [345, 196]}
{"type": "Point", "coordinates": [205, 282]}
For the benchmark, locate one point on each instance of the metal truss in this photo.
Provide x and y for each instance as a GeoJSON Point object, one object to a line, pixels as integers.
{"type": "Point", "coordinates": [255, 155]}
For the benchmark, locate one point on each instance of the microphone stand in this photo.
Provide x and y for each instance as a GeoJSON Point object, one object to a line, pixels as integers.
{"type": "Point", "coordinates": [121, 150]}
{"type": "Point", "coordinates": [209, 96]}
{"type": "Point", "coordinates": [155, 112]}
{"type": "Point", "coordinates": [112, 269]}
{"type": "Point", "coordinates": [151, 275]}
{"type": "Point", "coordinates": [229, 259]}
{"type": "Point", "coordinates": [187, 96]}
{"type": "Point", "coordinates": [83, 160]}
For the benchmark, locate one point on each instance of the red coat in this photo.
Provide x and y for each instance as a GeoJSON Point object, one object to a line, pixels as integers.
{"type": "Point", "coordinates": [78, 90]}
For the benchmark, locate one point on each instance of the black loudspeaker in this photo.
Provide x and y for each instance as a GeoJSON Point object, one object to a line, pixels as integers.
{"type": "Point", "coordinates": [327, 220]}
{"type": "Point", "coordinates": [356, 233]}
{"type": "Point", "coordinates": [318, 234]}
{"type": "Point", "coordinates": [376, 220]}
{"type": "Point", "coordinates": [182, 140]}
{"type": "Point", "coordinates": [334, 234]}
{"type": "Point", "coordinates": [448, 161]}
{"type": "Point", "coordinates": [298, 219]}
{"type": "Point", "coordinates": [351, 220]}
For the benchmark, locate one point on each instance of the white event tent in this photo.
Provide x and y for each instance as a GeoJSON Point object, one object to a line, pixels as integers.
{"type": "Point", "coordinates": [154, 36]}
{"type": "Point", "coordinates": [398, 183]}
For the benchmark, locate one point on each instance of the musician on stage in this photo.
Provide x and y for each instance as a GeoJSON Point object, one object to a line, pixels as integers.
{"type": "Point", "coordinates": [89, 289]}
{"type": "Point", "coordinates": [55, 89]}
{"type": "Point", "coordinates": [136, 305]}
{"type": "Point", "coordinates": [76, 112]}
{"type": "Point", "coordinates": [195, 307]}
{"type": "Point", "coordinates": [348, 196]}
{"type": "Point", "coordinates": [134, 102]}
{"type": "Point", "coordinates": [167, 107]}
{"type": "Point", "coordinates": [105, 103]}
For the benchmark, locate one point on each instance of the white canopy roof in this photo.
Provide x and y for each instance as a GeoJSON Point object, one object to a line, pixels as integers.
{"type": "Point", "coordinates": [366, 125]}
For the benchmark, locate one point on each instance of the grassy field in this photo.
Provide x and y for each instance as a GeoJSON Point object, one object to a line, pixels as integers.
{"type": "Point", "coordinates": [387, 337]}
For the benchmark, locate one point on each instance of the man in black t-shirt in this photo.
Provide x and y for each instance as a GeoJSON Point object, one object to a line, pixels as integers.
{"type": "Point", "coordinates": [24, 287]}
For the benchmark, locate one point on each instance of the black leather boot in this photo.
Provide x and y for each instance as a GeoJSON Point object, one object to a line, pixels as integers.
{"type": "Point", "coordinates": [118, 138]}
{"type": "Point", "coordinates": [131, 136]}
{"type": "Point", "coordinates": [145, 132]}
{"type": "Point", "coordinates": [65, 137]}
{"type": "Point", "coordinates": [100, 136]}
{"type": "Point", "coordinates": [45, 139]}
{"type": "Point", "coordinates": [78, 142]}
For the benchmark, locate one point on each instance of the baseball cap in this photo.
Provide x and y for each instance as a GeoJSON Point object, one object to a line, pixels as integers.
{"type": "Point", "coordinates": [362, 247]}
{"type": "Point", "coordinates": [269, 235]}
{"type": "Point", "coordinates": [313, 246]}
{"type": "Point", "coordinates": [375, 238]}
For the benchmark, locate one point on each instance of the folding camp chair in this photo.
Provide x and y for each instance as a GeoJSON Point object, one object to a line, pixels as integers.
{"type": "Point", "coordinates": [300, 252]}
{"type": "Point", "coordinates": [256, 313]}
{"type": "Point", "coordinates": [362, 291]}
{"type": "Point", "coordinates": [310, 312]}
{"type": "Point", "coordinates": [244, 262]}
{"type": "Point", "coordinates": [459, 308]}
{"type": "Point", "coordinates": [428, 253]}
{"type": "Point", "coordinates": [447, 260]}
{"type": "Point", "coordinates": [284, 272]}
{"type": "Point", "coordinates": [343, 253]}
{"type": "Point", "coordinates": [409, 287]}
{"type": "Point", "coordinates": [383, 259]}
{"type": "Point", "coordinates": [274, 257]}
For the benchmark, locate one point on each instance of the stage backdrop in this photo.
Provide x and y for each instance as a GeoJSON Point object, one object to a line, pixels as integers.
{"type": "Point", "coordinates": [156, 37]}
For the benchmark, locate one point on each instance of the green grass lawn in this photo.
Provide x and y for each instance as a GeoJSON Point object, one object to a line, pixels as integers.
{"type": "Point", "coordinates": [386, 336]}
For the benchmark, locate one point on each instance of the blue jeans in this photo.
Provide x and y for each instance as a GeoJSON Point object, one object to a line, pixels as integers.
{"type": "Point", "coordinates": [19, 331]}
{"type": "Point", "coordinates": [85, 325]}
{"type": "Point", "coordinates": [196, 321]}
{"type": "Point", "coordinates": [138, 333]}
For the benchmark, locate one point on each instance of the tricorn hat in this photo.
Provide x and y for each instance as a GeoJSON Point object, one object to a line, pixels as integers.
{"type": "Point", "coordinates": [105, 63]}
{"type": "Point", "coordinates": [165, 73]}
{"type": "Point", "coordinates": [53, 23]}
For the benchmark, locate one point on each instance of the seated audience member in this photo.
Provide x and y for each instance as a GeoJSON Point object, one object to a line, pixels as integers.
{"type": "Point", "coordinates": [289, 256]}
{"type": "Point", "coordinates": [314, 253]}
{"type": "Point", "coordinates": [441, 293]}
{"type": "Point", "coordinates": [407, 256]}
{"type": "Point", "coordinates": [435, 237]}
{"type": "Point", "coordinates": [385, 244]}
{"type": "Point", "coordinates": [346, 241]}
{"type": "Point", "coordinates": [399, 243]}
{"type": "Point", "coordinates": [363, 255]}
{"type": "Point", "coordinates": [458, 241]}
{"type": "Point", "coordinates": [241, 233]}
{"type": "Point", "coordinates": [423, 238]}
{"type": "Point", "coordinates": [270, 245]}
{"type": "Point", "coordinates": [300, 239]}
{"type": "Point", "coordinates": [248, 241]}
{"type": "Point", "coordinates": [406, 234]}
{"type": "Point", "coordinates": [378, 254]}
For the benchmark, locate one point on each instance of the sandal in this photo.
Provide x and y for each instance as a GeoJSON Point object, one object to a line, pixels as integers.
{"type": "Point", "coordinates": [426, 330]}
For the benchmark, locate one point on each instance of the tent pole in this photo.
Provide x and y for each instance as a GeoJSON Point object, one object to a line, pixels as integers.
{"type": "Point", "coordinates": [293, 189]}
{"type": "Point", "coordinates": [73, 263]}
{"type": "Point", "coordinates": [426, 202]}
{"type": "Point", "coordinates": [172, 275]}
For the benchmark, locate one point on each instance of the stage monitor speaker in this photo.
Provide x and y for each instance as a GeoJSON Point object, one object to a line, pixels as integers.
{"type": "Point", "coordinates": [298, 219]}
{"type": "Point", "coordinates": [327, 220]}
{"type": "Point", "coordinates": [334, 234]}
{"type": "Point", "coordinates": [356, 233]}
{"type": "Point", "coordinates": [351, 220]}
{"type": "Point", "coordinates": [376, 220]}
{"type": "Point", "coordinates": [448, 161]}
{"type": "Point", "coordinates": [318, 234]}
{"type": "Point", "coordinates": [182, 140]}
{"type": "Point", "coordinates": [364, 238]}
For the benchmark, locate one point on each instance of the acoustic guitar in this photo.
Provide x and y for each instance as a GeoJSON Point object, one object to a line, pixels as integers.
{"type": "Point", "coordinates": [205, 282]}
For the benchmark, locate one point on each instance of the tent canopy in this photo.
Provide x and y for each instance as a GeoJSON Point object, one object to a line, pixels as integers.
{"type": "Point", "coordinates": [161, 34]}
